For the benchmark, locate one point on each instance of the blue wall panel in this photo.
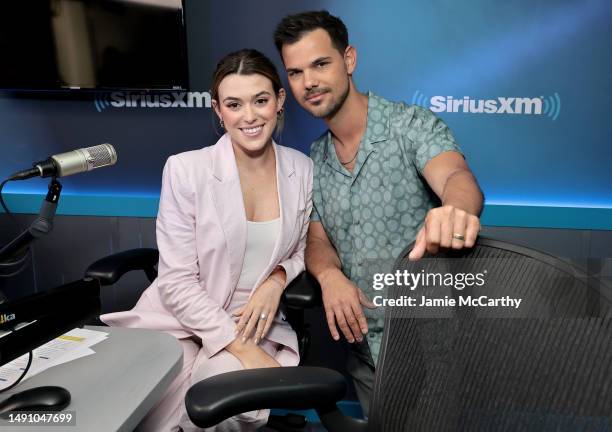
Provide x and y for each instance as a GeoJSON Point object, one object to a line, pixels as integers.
{"type": "Point", "coordinates": [543, 163]}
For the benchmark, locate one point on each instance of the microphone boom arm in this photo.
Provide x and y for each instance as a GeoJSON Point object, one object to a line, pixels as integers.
{"type": "Point", "coordinates": [42, 226]}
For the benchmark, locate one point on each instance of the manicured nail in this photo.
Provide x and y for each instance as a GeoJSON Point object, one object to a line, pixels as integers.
{"type": "Point", "coordinates": [256, 341]}
{"type": "Point", "coordinates": [243, 339]}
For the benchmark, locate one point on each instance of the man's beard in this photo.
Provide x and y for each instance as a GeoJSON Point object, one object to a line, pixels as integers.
{"type": "Point", "coordinates": [335, 107]}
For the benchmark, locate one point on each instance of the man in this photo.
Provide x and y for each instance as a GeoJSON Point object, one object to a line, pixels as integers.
{"type": "Point", "coordinates": [376, 171]}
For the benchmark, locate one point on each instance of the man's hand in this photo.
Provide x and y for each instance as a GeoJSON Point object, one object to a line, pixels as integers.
{"type": "Point", "coordinates": [454, 225]}
{"type": "Point", "coordinates": [445, 227]}
{"type": "Point", "coordinates": [343, 303]}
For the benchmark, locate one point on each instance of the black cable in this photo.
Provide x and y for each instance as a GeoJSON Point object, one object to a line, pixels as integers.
{"type": "Point", "coordinates": [25, 371]}
{"type": "Point", "coordinates": [8, 212]}
{"type": "Point", "coordinates": [21, 262]}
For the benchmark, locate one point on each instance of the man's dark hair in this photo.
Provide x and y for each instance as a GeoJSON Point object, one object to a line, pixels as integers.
{"type": "Point", "coordinates": [293, 27]}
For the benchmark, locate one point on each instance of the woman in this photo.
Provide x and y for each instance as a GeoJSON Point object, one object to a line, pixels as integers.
{"type": "Point", "coordinates": [231, 232]}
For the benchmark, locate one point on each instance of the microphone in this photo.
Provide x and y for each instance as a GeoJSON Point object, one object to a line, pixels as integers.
{"type": "Point", "coordinates": [72, 162]}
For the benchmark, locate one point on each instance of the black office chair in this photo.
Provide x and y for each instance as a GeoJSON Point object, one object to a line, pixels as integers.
{"type": "Point", "coordinates": [302, 293]}
{"type": "Point", "coordinates": [545, 366]}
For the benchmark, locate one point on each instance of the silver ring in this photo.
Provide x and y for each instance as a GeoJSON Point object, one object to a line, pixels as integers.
{"type": "Point", "coordinates": [262, 316]}
{"type": "Point", "coordinates": [458, 236]}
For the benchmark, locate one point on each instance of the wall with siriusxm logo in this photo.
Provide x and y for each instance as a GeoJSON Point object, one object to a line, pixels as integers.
{"type": "Point", "coordinates": [120, 99]}
{"type": "Point", "coordinates": [550, 106]}
{"type": "Point", "coordinates": [524, 86]}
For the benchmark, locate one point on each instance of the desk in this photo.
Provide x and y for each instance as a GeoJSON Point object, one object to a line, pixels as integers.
{"type": "Point", "coordinates": [114, 388]}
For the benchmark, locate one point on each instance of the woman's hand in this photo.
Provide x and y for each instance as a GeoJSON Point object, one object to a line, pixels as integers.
{"type": "Point", "coordinates": [250, 355]}
{"type": "Point", "coordinates": [258, 314]}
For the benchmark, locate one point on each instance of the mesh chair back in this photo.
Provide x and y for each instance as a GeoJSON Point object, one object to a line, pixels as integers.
{"type": "Point", "coordinates": [544, 366]}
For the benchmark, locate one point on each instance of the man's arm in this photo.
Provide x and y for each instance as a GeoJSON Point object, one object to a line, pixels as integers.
{"type": "Point", "coordinates": [456, 223]}
{"type": "Point", "coordinates": [342, 300]}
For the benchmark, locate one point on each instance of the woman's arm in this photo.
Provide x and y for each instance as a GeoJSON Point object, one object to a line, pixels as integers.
{"type": "Point", "coordinates": [179, 269]}
{"type": "Point", "coordinates": [251, 355]}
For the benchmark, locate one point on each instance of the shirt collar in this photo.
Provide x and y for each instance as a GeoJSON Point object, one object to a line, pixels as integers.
{"type": "Point", "coordinates": [373, 133]}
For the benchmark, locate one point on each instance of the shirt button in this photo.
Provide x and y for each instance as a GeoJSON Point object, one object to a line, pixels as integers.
{"type": "Point", "coordinates": [357, 222]}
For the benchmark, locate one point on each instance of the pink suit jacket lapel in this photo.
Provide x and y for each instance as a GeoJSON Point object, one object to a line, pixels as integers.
{"type": "Point", "coordinates": [227, 197]}
{"type": "Point", "coordinates": [288, 196]}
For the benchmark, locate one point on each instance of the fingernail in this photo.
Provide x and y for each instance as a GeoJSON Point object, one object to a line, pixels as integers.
{"type": "Point", "coordinates": [244, 339]}
{"type": "Point", "coordinates": [364, 330]}
{"type": "Point", "coordinates": [256, 341]}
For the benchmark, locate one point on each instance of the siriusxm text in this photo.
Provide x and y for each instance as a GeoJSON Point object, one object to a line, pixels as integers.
{"type": "Point", "coordinates": [500, 105]}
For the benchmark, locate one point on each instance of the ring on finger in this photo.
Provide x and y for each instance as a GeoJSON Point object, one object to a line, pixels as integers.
{"type": "Point", "coordinates": [458, 236]}
{"type": "Point", "coordinates": [263, 316]}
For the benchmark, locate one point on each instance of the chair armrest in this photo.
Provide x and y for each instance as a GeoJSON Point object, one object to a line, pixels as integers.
{"type": "Point", "coordinates": [109, 269]}
{"type": "Point", "coordinates": [217, 398]}
{"type": "Point", "coordinates": [304, 292]}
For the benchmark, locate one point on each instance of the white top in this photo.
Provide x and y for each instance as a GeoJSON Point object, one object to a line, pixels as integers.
{"type": "Point", "coordinates": [261, 239]}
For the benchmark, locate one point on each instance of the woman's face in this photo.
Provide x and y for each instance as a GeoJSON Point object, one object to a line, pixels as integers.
{"type": "Point", "coordinates": [248, 106]}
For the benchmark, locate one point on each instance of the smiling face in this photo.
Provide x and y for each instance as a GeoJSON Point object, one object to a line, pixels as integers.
{"type": "Point", "coordinates": [248, 106]}
{"type": "Point", "coordinates": [319, 76]}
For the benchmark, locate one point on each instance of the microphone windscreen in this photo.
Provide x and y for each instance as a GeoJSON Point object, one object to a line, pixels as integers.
{"type": "Point", "coordinates": [85, 159]}
{"type": "Point", "coordinates": [100, 155]}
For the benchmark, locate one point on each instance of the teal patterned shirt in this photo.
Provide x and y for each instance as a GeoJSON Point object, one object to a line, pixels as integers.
{"type": "Point", "coordinates": [373, 213]}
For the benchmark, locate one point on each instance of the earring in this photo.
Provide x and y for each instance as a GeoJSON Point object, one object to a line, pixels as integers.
{"type": "Point", "coordinates": [222, 124]}
{"type": "Point", "coordinates": [280, 113]}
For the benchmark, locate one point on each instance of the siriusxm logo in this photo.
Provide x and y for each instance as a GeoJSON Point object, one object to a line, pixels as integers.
{"type": "Point", "coordinates": [549, 106]}
{"type": "Point", "coordinates": [149, 100]}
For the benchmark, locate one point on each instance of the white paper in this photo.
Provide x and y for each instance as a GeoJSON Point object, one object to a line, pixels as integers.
{"type": "Point", "coordinates": [70, 346]}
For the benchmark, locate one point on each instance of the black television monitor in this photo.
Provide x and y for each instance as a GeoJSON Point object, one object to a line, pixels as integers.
{"type": "Point", "coordinates": [93, 45]}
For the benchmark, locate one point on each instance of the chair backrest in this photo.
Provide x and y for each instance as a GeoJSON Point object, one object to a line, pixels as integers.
{"type": "Point", "coordinates": [544, 366]}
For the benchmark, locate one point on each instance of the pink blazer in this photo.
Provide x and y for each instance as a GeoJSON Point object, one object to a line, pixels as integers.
{"type": "Point", "coordinates": [201, 236]}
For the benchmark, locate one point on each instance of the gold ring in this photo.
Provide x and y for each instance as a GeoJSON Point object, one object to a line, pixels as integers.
{"type": "Point", "coordinates": [458, 236]}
